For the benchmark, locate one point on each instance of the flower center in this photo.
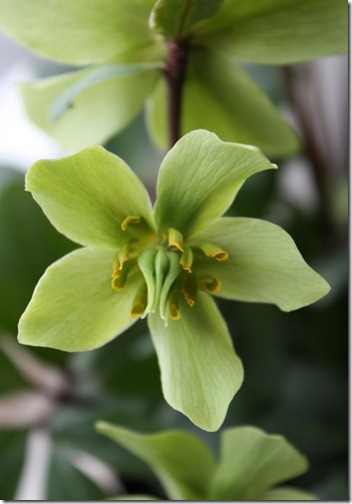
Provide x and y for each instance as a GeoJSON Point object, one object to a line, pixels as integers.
{"type": "Point", "coordinates": [169, 269]}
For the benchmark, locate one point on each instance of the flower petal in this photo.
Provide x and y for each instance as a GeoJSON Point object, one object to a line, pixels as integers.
{"type": "Point", "coordinates": [220, 96]}
{"type": "Point", "coordinates": [277, 31]}
{"type": "Point", "coordinates": [74, 308]}
{"type": "Point", "coordinates": [200, 372]}
{"type": "Point", "coordinates": [264, 265]}
{"type": "Point", "coordinates": [79, 32]}
{"type": "Point", "coordinates": [252, 461]}
{"type": "Point", "coordinates": [98, 112]}
{"type": "Point", "coordinates": [87, 196]}
{"type": "Point", "coordinates": [182, 462]}
{"type": "Point", "coordinates": [199, 178]}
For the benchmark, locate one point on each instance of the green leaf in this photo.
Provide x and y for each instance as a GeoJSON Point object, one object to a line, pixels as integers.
{"type": "Point", "coordinates": [97, 112]}
{"type": "Point", "coordinates": [277, 31]}
{"type": "Point", "coordinates": [287, 494]}
{"type": "Point", "coordinates": [97, 75]}
{"type": "Point", "coordinates": [252, 461]}
{"type": "Point", "coordinates": [175, 18]}
{"type": "Point", "coordinates": [264, 265]}
{"type": "Point", "coordinates": [219, 96]}
{"type": "Point", "coordinates": [12, 453]}
{"type": "Point", "coordinates": [199, 178]}
{"type": "Point", "coordinates": [74, 307]}
{"type": "Point", "coordinates": [182, 462]}
{"type": "Point", "coordinates": [88, 195]}
{"type": "Point", "coordinates": [200, 372]}
{"type": "Point", "coordinates": [28, 245]}
{"type": "Point", "coordinates": [79, 32]}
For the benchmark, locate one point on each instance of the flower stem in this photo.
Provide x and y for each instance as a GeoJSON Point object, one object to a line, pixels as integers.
{"type": "Point", "coordinates": [175, 73]}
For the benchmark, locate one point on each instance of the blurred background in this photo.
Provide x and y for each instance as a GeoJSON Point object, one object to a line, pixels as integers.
{"type": "Point", "coordinates": [296, 364]}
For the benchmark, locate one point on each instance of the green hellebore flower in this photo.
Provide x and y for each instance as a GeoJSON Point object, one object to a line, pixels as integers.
{"type": "Point", "coordinates": [126, 44]}
{"type": "Point", "coordinates": [162, 262]}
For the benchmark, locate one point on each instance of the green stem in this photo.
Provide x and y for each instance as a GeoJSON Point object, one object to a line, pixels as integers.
{"type": "Point", "coordinates": [175, 73]}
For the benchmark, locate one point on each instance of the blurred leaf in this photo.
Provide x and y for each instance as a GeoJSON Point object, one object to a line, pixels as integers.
{"type": "Point", "coordinates": [182, 462]}
{"type": "Point", "coordinates": [95, 76]}
{"type": "Point", "coordinates": [65, 482]}
{"type": "Point", "coordinates": [12, 448]}
{"type": "Point", "coordinates": [28, 245]}
{"type": "Point", "coordinates": [251, 462]}
{"type": "Point", "coordinates": [277, 31]}
{"type": "Point", "coordinates": [288, 494]}
{"type": "Point", "coordinates": [97, 111]}
{"type": "Point", "coordinates": [79, 32]}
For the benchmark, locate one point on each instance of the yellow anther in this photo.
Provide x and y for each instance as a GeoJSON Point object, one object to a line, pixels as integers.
{"type": "Point", "coordinates": [186, 260]}
{"type": "Point", "coordinates": [131, 219]}
{"type": "Point", "coordinates": [175, 239]}
{"type": "Point", "coordinates": [210, 284]}
{"type": "Point", "coordinates": [213, 251]}
{"type": "Point", "coordinates": [174, 309]}
{"type": "Point", "coordinates": [118, 282]}
{"type": "Point", "coordinates": [189, 289]}
{"type": "Point", "coordinates": [140, 301]}
{"type": "Point", "coordinates": [123, 255]}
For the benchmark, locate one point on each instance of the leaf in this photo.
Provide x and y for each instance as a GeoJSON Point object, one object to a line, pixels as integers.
{"type": "Point", "coordinates": [74, 307]}
{"type": "Point", "coordinates": [199, 178]}
{"type": "Point", "coordinates": [97, 75]}
{"type": "Point", "coordinates": [28, 245]}
{"type": "Point", "coordinates": [12, 450]}
{"type": "Point", "coordinates": [200, 371]}
{"type": "Point", "coordinates": [99, 110]}
{"type": "Point", "coordinates": [87, 196]}
{"type": "Point", "coordinates": [277, 31]}
{"type": "Point", "coordinates": [175, 18]}
{"type": "Point", "coordinates": [219, 96]}
{"type": "Point", "coordinates": [251, 461]}
{"type": "Point", "coordinates": [264, 265]}
{"type": "Point", "coordinates": [79, 32]}
{"type": "Point", "coordinates": [182, 462]}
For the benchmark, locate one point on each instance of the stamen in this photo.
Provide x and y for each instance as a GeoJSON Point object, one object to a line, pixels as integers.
{"type": "Point", "coordinates": [123, 255]}
{"type": "Point", "coordinates": [186, 260]}
{"type": "Point", "coordinates": [174, 310]}
{"type": "Point", "coordinates": [189, 289]}
{"type": "Point", "coordinates": [131, 219]}
{"type": "Point", "coordinates": [119, 275]}
{"type": "Point", "coordinates": [210, 284]}
{"type": "Point", "coordinates": [140, 301]}
{"type": "Point", "coordinates": [175, 239]}
{"type": "Point", "coordinates": [213, 251]}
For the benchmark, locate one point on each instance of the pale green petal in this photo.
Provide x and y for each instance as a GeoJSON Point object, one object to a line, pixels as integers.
{"type": "Point", "coordinates": [219, 96]}
{"type": "Point", "coordinates": [175, 18]}
{"type": "Point", "coordinates": [87, 196]}
{"type": "Point", "coordinates": [79, 31]}
{"type": "Point", "coordinates": [277, 31]}
{"type": "Point", "coordinates": [97, 113]}
{"type": "Point", "coordinates": [252, 461]}
{"type": "Point", "coordinates": [200, 372]}
{"type": "Point", "coordinates": [74, 307]}
{"type": "Point", "coordinates": [181, 461]}
{"type": "Point", "coordinates": [199, 178]}
{"type": "Point", "coordinates": [264, 265]}
{"type": "Point", "coordinates": [287, 494]}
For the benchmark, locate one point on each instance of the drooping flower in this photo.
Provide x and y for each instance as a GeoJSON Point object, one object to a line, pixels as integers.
{"type": "Point", "coordinates": [164, 263]}
{"type": "Point", "coordinates": [251, 465]}
{"type": "Point", "coordinates": [122, 50]}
